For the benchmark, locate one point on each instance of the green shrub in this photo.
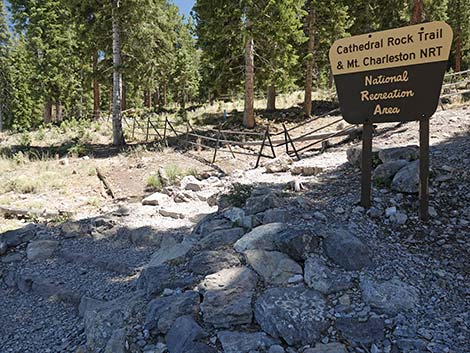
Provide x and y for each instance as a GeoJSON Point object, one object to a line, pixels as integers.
{"type": "Point", "coordinates": [154, 183]}
{"type": "Point", "coordinates": [238, 194]}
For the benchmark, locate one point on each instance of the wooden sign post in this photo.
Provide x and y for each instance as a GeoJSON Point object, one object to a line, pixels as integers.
{"type": "Point", "coordinates": [392, 76]}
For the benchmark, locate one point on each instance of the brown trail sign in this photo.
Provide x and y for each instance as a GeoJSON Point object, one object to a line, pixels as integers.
{"type": "Point", "coordinates": [392, 76]}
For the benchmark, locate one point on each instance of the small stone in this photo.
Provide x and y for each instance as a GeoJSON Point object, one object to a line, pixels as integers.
{"type": "Point", "coordinates": [276, 349]}
{"type": "Point", "coordinates": [3, 248]}
{"type": "Point", "coordinates": [207, 262]}
{"type": "Point", "coordinates": [399, 218]}
{"type": "Point", "coordinates": [366, 332]}
{"type": "Point", "coordinates": [390, 211]}
{"type": "Point", "coordinates": [156, 199]}
{"type": "Point", "coordinates": [320, 216]}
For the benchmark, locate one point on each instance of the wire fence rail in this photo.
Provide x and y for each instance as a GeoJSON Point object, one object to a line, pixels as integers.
{"type": "Point", "coordinates": [294, 140]}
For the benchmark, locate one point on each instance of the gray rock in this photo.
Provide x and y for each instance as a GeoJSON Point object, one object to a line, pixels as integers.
{"type": "Point", "coordinates": [328, 348]}
{"type": "Point", "coordinates": [390, 297]}
{"type": "Point", "coordinates": [143, 236]}
{"type": "Point", "coordinates": [261, 238]}
{"type": "Point", "coordinates": [227, 297]}
{"type": "Point", "coordinates": [163, 311]}
{"type": "Point", "coordinates": [208, 262]}
{"type": "Point", "coordinates": [384, 173]}
{"type": "Point", "coordinates": [297, 315]}
{"type": "Point", "coordinates": [117, 342]}
{"type": "Point", "coordinates": [102, 324]}
{"type": "Point", "coordinates": [275, 267]}
{"type": "Point", "coordinates": [212, 223]}
{"type": "Point", "coordinates": [156, 199]}
{"type": "Point", "coordinates": [366, 332]}
{"type": "Point", "coordinates": [221, 238]}
{"type": "Point", "coordinates": [318, 276]}
{"type": "Point", "coordinates": [241, 342]}
{"type": "Point", "coordinates": [407, 179]}
{"type": "Point", "coordinates": [89, 304]}
{"type": "Point", "coordinates": [16, 237]}
{"type": "Point", "coordinates": [346, 250]}
{"type": "Point", "coordinates": [235, 215]}
{"type": "Point", "coordinates": [278, 165]}
{"type": "Point", "coordinates": [261, 203]}
{"type": "Point", "coordinates": [3, 248]}
{"type": "Point", "coordinates": [153, 280]}
{"type": "Point", "coordinates": [399, 218]}
{"type": "Point", "coordinates": [191, 183]}
{"type": "Point", "coordinates": [41, 249]}
{"type": "Point", "coordinates": [354, 155]}
{"type": "Point", "coordinates": [276, 349]}
{"type": "Point", "coordinates": [407, 153]}
{"type": "Point", "coordinates": [298, 244]}
{"type": "Point", "coordinates": [170, 251]}
{"type": "Point", "coordinates": [275, 215]}
{"type": "Point", "coordinates": [183, 335]}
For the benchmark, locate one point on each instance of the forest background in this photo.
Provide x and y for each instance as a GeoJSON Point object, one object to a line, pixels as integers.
{"type": "Point", "coordinates": [83, 59]}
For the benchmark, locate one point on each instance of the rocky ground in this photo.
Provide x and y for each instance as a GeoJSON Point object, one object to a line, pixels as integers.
{"type": "Point", "coordinates": [288, 262]}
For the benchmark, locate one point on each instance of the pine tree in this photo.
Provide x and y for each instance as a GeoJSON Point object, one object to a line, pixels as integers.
{"type": "Point", "coordinates": [5, 84]}
{"type": "Point", "coordinates": [459, 19]}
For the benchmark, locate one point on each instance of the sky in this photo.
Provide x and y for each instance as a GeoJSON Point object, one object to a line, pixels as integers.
{"type": "Point", "coordinates": [185, 6]}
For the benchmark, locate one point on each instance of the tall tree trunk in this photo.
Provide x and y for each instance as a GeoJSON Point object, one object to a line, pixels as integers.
{"type": "Point", "coordinates": [417, 14]}
{"type": "Point", "coordinates": [48, 111]}
{"type": "Point", "coordinates": [123, 95]}
{"type": "Point", "coordinates": [58, 110]}
{"type": "Point", "coordinates": [156, 100]}
{"type": "Point", "coordinates": [271, 104]}
{"type": "Point", "coordinates": [310, 62]}
{"type": "Point", "coordinates": [118, 136]}
{"type": "Point", "coordinates": [96, 88]}
{"type": "Point", "coordinates": [458, 40]}
{"type": "Point", "coordinates": [149, 96]}
{"type": "Point", "coordinates": [165, 98]}
{"type": "Point", "coordinates": [249, 113]}
{"type": "Point", "coordinates": [1, 117]}
{"type": "Point", "coordinates": [458, 51]}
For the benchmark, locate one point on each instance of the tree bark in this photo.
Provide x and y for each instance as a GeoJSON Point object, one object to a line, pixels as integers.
{"type": "Point", "coordinates": [271, 104]}
{"type": "Point", "coordinates": [48, 112]}
{"type": "Point", "coordinates": [417, 14]}
{"type": "Point", "coordinates": [458, 40]}
{"type": "Point", "coordinates": [123, 95]}
{"type": "Point", "coordinates": [118, 136]}
{"type": "Point", "coordinates": [310, 62]}
{"type": "Point", "coordinates": [249, 113]}
{"type": "Point", "coordinates": [58, 110]}
{"type": "Point", "coordinates": [96, 88]}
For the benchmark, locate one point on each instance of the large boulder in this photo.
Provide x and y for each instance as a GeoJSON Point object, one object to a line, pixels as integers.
{"type": "Point", "coordinates": [244, 342]}
{"type": "Point", "coordinates": [319, 276]}
{"type": "Point", "coordinates": [41, 249]}
{"type": "Point", "coordinates": [170, 250]}
{"type": "Point", "coordinates": [262, 238]}
{"type": "Point", "coordinates": [297, 243]}
{"type": "Point", "coordinates": [384, 173]}
{"type": "Point", "coordinates": [16, 237]}
{"type": "Point", "coordinates": [389, 297]}
{"type": "Point", "coordinates": [406, 153]}
{"type": "Point", "coordinates": [346, 250]}
{"type": "Point", "coordinates": [207, 262]}
{"type": "Point", "coordinates": [273, 266]}
{"type": "Point", "coordinates": [297, 315]}
{"type": "Point", "coordinates": [163, 311]}
{"type": "Point", "coordinates": [407, 179]}
{"type": "Point", "coordinates": [105, 325]}
{"type": "Point", "coordinates": [227, 297]}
